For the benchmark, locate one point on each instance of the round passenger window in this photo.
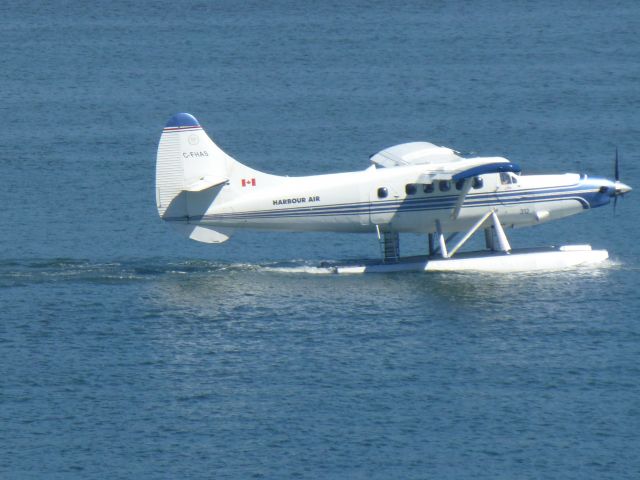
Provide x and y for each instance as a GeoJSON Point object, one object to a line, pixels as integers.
{"type": "Point", "coordinates": [459, 184]}
{"type": "Point", "coordinates": [477, 182]}
{"type": "Point", "coordinates": [427, 188]}
{"type": "Point", "coordinates": [410, 188]}
{"type": "Point", "coordinates": [383, 192]}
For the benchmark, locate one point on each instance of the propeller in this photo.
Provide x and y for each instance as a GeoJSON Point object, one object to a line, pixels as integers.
{"type": "Point", "coordinates": [616, 175]}
{"type": "Point", "coordinates": [620, 188]}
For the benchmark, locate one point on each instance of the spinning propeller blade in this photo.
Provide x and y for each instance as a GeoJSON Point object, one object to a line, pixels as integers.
{"type": "Point", "coordinates": [620, 188]}
{"type": "Point", "coordinates": [616, 176]}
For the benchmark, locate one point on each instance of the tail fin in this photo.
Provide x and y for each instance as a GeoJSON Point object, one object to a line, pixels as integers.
{"type": "Point", "coordinates": [191, 172]}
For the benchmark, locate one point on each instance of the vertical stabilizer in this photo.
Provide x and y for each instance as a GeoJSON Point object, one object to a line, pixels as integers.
{"type": "Point", "coordinates": [193, 173]}
{"type": "Point", "coordinates": [187, 161]}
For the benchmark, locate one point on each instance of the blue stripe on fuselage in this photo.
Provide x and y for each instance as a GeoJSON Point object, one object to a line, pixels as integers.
{"type": "Point", "coordinates": [588, 197]}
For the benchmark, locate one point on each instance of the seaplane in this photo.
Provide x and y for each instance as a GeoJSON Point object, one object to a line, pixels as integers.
{"type": "Point", "coordinates": [413, 187]}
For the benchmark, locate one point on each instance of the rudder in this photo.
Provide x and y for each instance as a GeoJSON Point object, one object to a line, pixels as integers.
{"type": "Point", "coordinates": [189, 162]}
{"type": "Point", "coordinates": [193, 173]}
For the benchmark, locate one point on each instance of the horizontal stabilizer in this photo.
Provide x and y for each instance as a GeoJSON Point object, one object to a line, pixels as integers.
{"type": "Point", "coordinates": [205, 182]}
{"type": "Point", "coordinates": [207, 235]}
{"type": "Point", "coordinates": [203, 234]}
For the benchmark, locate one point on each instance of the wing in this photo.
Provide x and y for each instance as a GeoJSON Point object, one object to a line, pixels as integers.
{"type": "Point", "coordinates": [414, 153]}
{"type": "Point", "coordinates": [442, 163]}
{"type": "Point", "coordinates": [468, 168]}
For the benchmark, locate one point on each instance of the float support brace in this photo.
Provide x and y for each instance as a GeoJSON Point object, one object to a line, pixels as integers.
{"type": "Point", "coordinates": [473, 230]}
{"type": "Point", "coordinates": [502, 238]}
{"type": "Point", "coordinates": [441, 240]}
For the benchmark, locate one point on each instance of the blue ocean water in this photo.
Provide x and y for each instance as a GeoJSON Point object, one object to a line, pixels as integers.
{"type": "Point", "coordinates": [129, 352]}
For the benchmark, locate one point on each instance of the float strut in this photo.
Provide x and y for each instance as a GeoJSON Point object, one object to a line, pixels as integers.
{"type": "Point", "coordinates": [502, 237]}
{"type": "Point", "coordinates": [488, 232]}
{"type": "Point", "coordinates": [489, 239]}
{"type": "Point", "coordinates": [441, 240]}
{"type": "Point", "coordinates": [473, 230]}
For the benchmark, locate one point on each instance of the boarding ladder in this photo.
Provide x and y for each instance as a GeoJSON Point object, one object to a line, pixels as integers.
{"type": "Point", "coordinates": [389, 245]}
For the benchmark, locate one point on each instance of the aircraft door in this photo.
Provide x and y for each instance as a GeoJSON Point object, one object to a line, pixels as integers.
{"type": "Point", "coordinates": [383, 204]}
{"type": "Point", "coordinates": [364, 215]}
{"type": "Point", "coordinates": [507, 187]}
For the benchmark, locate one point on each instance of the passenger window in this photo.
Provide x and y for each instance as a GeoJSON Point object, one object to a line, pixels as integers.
{"type": "Point", "coordinates": [427, 188]}
{"type": "Point", "coordinates": [444, 185]}
{"type": "Point", "coordinates": [477, 182]}
{"type": "Point", "coordinates": [459, 184]}
{"type": "Point", "coordinates": [383, 192]}
{"type": "Point", "coordinates": [410, 188]}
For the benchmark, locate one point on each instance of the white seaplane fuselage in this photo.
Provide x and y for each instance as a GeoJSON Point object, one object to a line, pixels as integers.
{"type": "Point", "coordinates": [415, 187]}
{"type": "Point", "coordinates": [350, 202]}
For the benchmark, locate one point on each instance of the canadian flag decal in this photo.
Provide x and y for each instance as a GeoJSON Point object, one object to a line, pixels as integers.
{"type": "Point", "coordinates": [248, 182]}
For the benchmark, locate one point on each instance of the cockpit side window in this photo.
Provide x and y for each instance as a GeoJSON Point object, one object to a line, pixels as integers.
{"type": "Point", "coordinates": [507, 178]}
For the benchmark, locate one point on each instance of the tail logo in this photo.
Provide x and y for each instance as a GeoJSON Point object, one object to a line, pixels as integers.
{"type": "Point", "coordinates": [248, 182]}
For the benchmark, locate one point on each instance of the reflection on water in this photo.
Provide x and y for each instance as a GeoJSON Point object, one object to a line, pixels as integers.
{"type": "Point", "coordinates": [240, 285]}
{"type": "Point", "coordinates": [215, 286]}
{"type": "Point", "coordinates": [185, 305]}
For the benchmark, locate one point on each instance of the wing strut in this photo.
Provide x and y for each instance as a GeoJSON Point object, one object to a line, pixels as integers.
{"type": "Point", "coordinates": [466, 186]}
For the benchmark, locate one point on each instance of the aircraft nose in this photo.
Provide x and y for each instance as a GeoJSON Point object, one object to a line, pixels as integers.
{"type": "Point", "coordinates": [622, 188]}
